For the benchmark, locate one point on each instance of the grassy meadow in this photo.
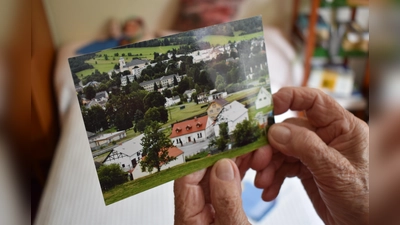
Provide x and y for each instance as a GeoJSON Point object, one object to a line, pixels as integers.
{"type": "Point", "coordinates": [221, 40]}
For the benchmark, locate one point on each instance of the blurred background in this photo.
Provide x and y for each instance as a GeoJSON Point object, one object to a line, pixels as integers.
{"type": "Point", "coordinates": [316, 43]}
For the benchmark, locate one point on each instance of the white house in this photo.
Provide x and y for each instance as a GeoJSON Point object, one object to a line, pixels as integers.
{"type": "Point", "coordinates": [264, 98]}
{"type": "Point", "coordinates": [233, 113]}
{"type": "Point", "coordinates": [172, 101]}
{"type": "Point", "coordinates": [192, 131]}
{"type": "Point", "coordinates": [127, 155]}
{"type": "Point", "coordinates": [173, 151]}
{"type": "Point", "coordinates": [189, 93]}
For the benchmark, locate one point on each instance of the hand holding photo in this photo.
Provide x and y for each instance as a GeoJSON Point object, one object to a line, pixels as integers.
{"type": "Point", "coordinates": [157, 110]}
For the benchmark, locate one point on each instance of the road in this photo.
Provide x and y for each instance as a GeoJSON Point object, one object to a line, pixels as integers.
{"type": "Point", "coordinates": [191, 149]}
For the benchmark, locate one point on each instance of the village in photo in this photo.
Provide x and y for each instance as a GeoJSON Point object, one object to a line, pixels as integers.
{"type": "Point", "coordinates": [157, 110]}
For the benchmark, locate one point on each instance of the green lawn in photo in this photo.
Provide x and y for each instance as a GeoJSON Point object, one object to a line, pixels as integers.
{"type": "Point", "coordinates": [253, 111]}
{"type": "Point", "coordinates": [107, 65]}
{"type": "Point", "coordinates": [136, 186]}
{"type": "Point", "coordinates": [191, 110]}
{"type": "Point", "coordinates": [147, 52]}
{"type": "Point", "coordinates": [101, 157]}
{"type": "Point", "coordinates": [221, 40]}
{"type": "Point", "coordinates": [241, 94]}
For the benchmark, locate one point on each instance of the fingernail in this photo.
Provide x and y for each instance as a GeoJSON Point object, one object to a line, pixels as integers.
{"type": "Point", "coordinates": [224, 170]}
{"type": "Point", "coordinates": [280, 133]}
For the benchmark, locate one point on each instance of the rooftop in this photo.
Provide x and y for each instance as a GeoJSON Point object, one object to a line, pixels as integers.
{"type": "Point", "coordinates": [136, 62]}
{"type": "Point", "coordinates": [189, 126]}
{"type": "Point", "coordinates": [130, 147]}
{"type": "Point", "coordinates": [232, 111]}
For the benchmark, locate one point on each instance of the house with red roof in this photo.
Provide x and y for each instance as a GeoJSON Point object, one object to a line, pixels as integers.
{"type": "Point", "coordinates": [192, 131]}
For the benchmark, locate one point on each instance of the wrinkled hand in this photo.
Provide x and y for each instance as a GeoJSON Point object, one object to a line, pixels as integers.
{"type": "Point", "coordinates": [328, 151]}
{"type": "Point", "coordinates": [385, 167]}
{"type": "Point", "coordinates": [210, 196]}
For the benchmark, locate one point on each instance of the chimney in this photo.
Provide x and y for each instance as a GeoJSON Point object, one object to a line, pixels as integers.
{"type": "Point", "coordinates": [195, 118]}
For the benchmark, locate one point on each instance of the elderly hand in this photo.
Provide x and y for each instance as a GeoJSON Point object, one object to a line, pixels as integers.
{"type": "Point", "coordinates": [328, 151]}
{"type": "Point", "coordinates": [210, 196]}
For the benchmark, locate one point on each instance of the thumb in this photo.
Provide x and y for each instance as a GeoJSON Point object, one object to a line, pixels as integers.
{"type": "Point", "coordinates": [226, 193]}
{"type": "Point", "coordinates": [304, 144]}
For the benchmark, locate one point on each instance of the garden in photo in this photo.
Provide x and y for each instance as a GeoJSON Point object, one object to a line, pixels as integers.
{"type": "Point", "coordinates": [157, 110]}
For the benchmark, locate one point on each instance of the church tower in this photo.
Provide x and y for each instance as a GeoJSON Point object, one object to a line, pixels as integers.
{"type": "Point", "coordinates": [121, 63]}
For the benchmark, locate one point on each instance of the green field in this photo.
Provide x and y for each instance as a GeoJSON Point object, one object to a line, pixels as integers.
{"type": "Point", "coordinates": [191, 110]}
{"type": "Point", "coordinates": [133, 187]}
{"type": "Point", "coordinates": [253, 111]}
{"type": "Point", "coordinates": [101, 157]}
{"type": "Point", "coordinates": [107, 65]}
{"type": "Point", "coordinates": [242, 94]}
{"type": "Point", "coordinates": [221, 40]}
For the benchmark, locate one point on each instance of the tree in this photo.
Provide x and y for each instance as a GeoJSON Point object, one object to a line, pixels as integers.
{"type": "Point", "coordinates": [224, 131]}
{"type": "Point", "coordinates": [261, 80]}
{"type": "Point", "coordinates": [153, 99]}
{"type": "Point", "coordinates": [183, 85]}
{"type": "Point", "coordinates": [159, 114]}
{"type": "Point", "coordinates": [223, 138]}
{"type": "Point", "coordinates": [246, 133]}
{"type": "Point", "coordinates": [155, 86]}
{"type": "Point", "coordinates": [167, 93]}
{"type": "Point", "coordinates": [105, 57]}
{"type": "Point", "coordinates": [220, 83]}
{"type": "Point", "coordinates": [89, 92]}
{"type": "Point", "coordinates": [155, 148]}
{"type": "Point", "coordinates": [194, 98]}
{"type": "Point", "coordinates": [76, 78]}
{"type": "Point", "coordinates": [111, 176]}
{"type": "Point", "coordinates": [95, 119]}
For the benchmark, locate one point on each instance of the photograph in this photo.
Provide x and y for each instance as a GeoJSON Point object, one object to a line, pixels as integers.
{"type": "Point", "coordinates": [157, 110]}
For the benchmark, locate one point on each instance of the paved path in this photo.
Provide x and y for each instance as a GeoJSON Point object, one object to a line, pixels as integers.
{"type": "Point", "coordinates": [191, 149]}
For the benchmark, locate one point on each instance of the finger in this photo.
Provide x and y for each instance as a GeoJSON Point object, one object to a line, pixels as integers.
{"type": "Point", "coordinates": [265, 177]}
{"type": "Point", "coordinates": [285, 170]}
{"type": "Point", "coordinates": [226, 193]}
{"type": "Point", "coordinates": [257, 160]}
{"type": "Point", "coordinates": [305, 145]}
{"type": "Point", "coordinates": [189, 200]}
{"type": "Point", "coordinates": [320, 108]}
{"type": "Point", "coordinates": [301, 122]}
{"type": "Point", "coordinates": [261, 158]}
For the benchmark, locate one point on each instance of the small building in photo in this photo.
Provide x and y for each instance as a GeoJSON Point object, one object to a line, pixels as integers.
{"type": "Point", "coordinates": [189, 93]}
{"type": "Point", "coordinates": [172, 101]}
{"type": "Point", "coordinates": [264, 98]}
{"type": "Point", "coordinates": [191, 131]}
{"type": "Point", "coordinates": [215, 107]}
{"type": "Point", "coordinates": [105, 139]}
{"type": "Point", "coordinates": [232, 114]}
